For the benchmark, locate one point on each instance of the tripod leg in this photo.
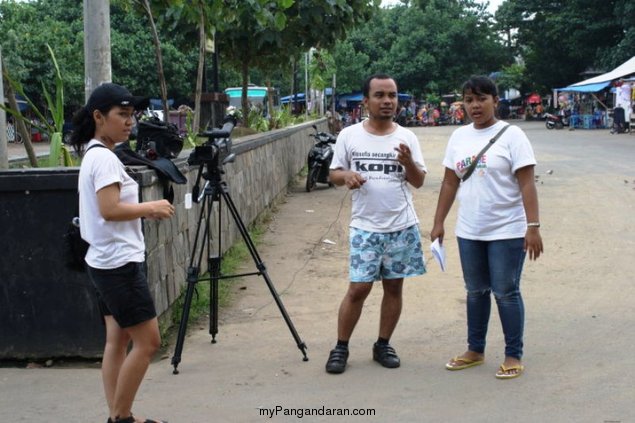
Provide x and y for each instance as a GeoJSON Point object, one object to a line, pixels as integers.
{"type": "Point", "coordinates": [192, 279]}
{"type": "Point", "coordinates": [214, 272]}
{"type": "Point", "coordinates": [193, 273]}
{"type": "Point", "coordinates": [263, 270]}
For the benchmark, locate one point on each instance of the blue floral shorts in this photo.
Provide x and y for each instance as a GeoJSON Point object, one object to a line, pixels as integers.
{"type": "Point", "coordinates": [393, 255]}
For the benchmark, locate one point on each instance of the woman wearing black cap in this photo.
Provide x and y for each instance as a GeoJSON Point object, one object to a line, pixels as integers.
{"type": "Point", "coordinates": [110, 220]}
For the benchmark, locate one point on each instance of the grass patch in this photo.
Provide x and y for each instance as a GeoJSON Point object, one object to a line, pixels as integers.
{"type": "Point", "coordinates": [42, 161]}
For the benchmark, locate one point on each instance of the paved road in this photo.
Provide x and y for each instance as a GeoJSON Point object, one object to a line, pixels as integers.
{"type": "Point", "coordinates": [17, 151]}
{"type": "Point", "coordinates": [579, 300]}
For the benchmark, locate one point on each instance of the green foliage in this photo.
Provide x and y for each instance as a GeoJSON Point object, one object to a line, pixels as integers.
{"type": "Point", "coordinates": [433, 99]}
{"type": "Point", "coordinates": [560, 39]}
{"type": "Point", "coordinates": [191, 135]}
{"type": "Point", "coordinates": [133, 60]}
{"type": "Point", "coordinates": [430, 46]}
{"type": "Point", "coordinates": [512, 76]}
{"type": "Point", "coordinates": [282, 118]}
{"type": "Point", "coordinates": [59, 155]}
{"type": "Point", "coordinates": [352, 66]}
{"type": "Point", "coordinates": [321, 69]}
{"type": "Point", "coordinates": [255, 120]}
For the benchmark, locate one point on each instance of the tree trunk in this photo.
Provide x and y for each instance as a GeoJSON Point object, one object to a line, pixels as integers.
{"type": "Point", "coordinates": [294, 71]}
{"type": "Point", "coordinates": [243, 99]}
{"type": "Point", "coordinates": [270, 99]}
{"type": "Point", "coordinates": [19, 122]}
{"type": "Point", "coordinates": [199, 76]}
{"type": "Point", "coordinates": [4, 146]}
{"type": "Point", "coordinates": [157, 49]}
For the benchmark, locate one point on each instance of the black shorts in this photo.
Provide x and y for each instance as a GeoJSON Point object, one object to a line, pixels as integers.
{"type": "Point", "coordinates": [123, 293]}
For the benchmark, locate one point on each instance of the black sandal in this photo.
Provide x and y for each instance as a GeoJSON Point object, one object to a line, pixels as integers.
{"type": "Point", "coordinates": [131, 419]}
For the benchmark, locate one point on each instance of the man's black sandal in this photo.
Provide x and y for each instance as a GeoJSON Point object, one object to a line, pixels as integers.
{"type": "Point", "coordinates": [385, 355]}
{"type": "Point", "coordinates": [131, 419]}
{"type": "Point", "coordinates": [337, 360]}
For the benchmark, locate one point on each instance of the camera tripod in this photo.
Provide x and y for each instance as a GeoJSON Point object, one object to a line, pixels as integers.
{"type": "Point", "coordinates": [215, 190]}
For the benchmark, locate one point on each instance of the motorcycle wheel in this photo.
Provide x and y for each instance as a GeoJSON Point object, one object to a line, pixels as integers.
{"type": "Point", "coordinates": [549, 125]}
{"type": "Point", "coordinates": [311, 178]}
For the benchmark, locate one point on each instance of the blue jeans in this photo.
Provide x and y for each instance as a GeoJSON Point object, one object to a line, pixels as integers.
{"type": "Point", "coordinates": [494, 267]}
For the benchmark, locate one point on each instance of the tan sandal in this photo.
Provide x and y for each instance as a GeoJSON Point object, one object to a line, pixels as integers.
{"type": "Point", "coordinates": [502, 373]}
{"type": "Point", "coordinates": [466, 363]}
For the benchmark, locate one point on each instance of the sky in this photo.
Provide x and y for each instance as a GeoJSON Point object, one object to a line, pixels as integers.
{"type": "Point", "coordinates": [493, 4]}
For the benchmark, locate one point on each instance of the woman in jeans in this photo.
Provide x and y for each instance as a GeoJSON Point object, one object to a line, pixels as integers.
{"type": "Point", "coordinates": [497, 225]}
{"type": "Point", "coordinates": [110, 221]}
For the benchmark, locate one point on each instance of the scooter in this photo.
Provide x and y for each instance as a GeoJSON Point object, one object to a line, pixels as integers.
{"type": "Point", "coordinates": [319, 159]}
{"type": "Point", "coordinates": [556, 121]}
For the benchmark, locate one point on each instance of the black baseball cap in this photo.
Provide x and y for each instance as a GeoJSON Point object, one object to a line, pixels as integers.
{"type": "Point", "coordinates": [108, 95]}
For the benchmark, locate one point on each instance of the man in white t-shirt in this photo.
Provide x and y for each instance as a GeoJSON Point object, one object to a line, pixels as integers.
{"type": "Point", "coordinates": [376, 159]}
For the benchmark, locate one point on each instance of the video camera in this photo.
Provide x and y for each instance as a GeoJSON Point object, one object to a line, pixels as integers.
{"type": "Point", "coordinates": [217, 150]}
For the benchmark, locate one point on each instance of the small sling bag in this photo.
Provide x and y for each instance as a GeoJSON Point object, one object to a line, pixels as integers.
{"type": "Point", "coordinates": [491, 142]}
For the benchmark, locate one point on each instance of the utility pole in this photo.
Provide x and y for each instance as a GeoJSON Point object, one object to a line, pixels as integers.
{"type": "Point", "coordinates": [306, 84]}
{"type": "Point", "coordinates": [4, 147]}
{"type": "Point", "coordinates": [97, 64]}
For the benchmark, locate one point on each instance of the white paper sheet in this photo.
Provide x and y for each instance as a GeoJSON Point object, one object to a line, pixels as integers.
{"type": "Point", "coordinates": [438, 251]}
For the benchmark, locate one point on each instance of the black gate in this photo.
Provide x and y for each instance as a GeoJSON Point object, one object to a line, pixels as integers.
{"type": "Point", "coordinates": [46, 310]}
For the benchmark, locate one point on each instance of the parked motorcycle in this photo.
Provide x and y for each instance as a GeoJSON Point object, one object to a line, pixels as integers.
{"type": "Point", "coordinates": [319, 159]}
{"type": "Point", "coordinates": [556, 121]}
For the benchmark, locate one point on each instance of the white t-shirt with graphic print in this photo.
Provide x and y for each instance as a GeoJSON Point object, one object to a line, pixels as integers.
{"type": "Point", "coordinates": [384, 202]}
{"type": "Point", "coordinates": [491, 205]}
{"type": "Point", "coordinates": [112, 244]}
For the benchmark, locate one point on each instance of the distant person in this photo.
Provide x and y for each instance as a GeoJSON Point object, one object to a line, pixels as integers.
{"type": "Point", "coordinates": [110, 221]}
{"type": "Point", "coordinates": [376, 159]}
{"type": "Point", "coordinates": [402, 116]}
{"type": "Point", "coordinates": [504, 110]}
{"type": "Point", "coordinates": [540, 110]}
{"type": "Point", "coordinates": [497, 225]}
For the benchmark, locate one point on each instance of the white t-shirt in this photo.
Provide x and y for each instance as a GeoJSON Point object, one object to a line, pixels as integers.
{"type": "Point", "coordinates": [112, 244]}
{"type": "Point", "coordinates": [491, 205]}
{"type": "Point", "coordinates": [384, 202]}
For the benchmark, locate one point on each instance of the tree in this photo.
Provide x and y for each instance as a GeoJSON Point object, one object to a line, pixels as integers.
{"type": "Point", "coordinates": [133, 54]}
{"type": "Point", "coordinates": [307, 23]}
{"type": "Point", "coordinates": [560, 39]}
{"type": "Point", "coordinates": [430, 46]}
{"type": "Point", "coordinates": [351, 66]}
{"type": "Point", "coordinates": [147, 10]}
{"type": "Point", "coordinates": [511, 77]}
{"type": "Point", "coordinates": [624, 14]}
{"type": "Point", "coordinates": [253, 34]}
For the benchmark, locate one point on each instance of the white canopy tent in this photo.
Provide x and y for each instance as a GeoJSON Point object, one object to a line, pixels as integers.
{"type": "Point", "coordinates": [625, 69]}
{"type": "Point", "coordinates": [600, 82]}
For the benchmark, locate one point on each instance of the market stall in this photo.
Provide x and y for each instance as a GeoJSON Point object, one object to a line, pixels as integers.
{"type": "Point", "coordinates": [591, 102]}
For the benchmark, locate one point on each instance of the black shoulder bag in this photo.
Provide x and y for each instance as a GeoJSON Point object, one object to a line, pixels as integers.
{"type": "Point", "coordinates": [491, 142]}
{"type": "Point", "coordinates": [75, 248]}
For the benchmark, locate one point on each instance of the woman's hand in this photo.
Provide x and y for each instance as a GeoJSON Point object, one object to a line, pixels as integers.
{"type": "Point", "coordinates": [533, 243]}
{"type": "Point", "coordinates": [160, 209]}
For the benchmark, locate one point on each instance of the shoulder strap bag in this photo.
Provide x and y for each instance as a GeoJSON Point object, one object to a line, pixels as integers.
{"type": "Point", "coordinates": [74, 248]}
{"type": "Point", "coordinates": [491, 142]}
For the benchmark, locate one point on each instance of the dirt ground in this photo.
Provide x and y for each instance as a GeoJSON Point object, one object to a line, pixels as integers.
{"type": "Point", "coordinates": [579, 318]}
